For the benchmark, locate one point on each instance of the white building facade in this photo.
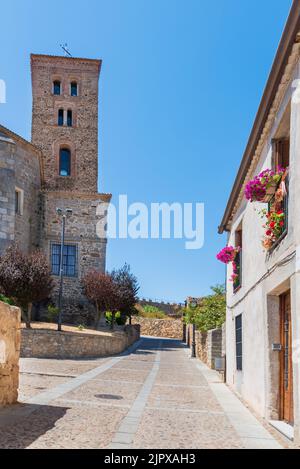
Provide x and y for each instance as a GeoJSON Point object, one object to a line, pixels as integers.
{"type": "Point", "coordinates": [263, 305]}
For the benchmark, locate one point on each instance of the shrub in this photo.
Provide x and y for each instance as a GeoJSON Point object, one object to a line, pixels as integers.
{"type": "Point", "coordinates": [152, 312]}
{"type": "Point", "coordinates": [119, 318]}
{"type": "Point", "coordinates": [52, 313]}
{"type": "Point", "coordinates": [6, 300]}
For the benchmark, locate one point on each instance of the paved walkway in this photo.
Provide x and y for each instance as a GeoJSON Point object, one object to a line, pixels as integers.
{"type": "Point", "coordinates": [152, 397]}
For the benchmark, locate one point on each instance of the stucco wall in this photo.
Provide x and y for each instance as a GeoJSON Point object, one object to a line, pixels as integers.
{"type": "Point", "coordinates": [171, 328]}
{"type": "Point", "coordinates": [10, 323]}
{"type": "Point", "coordinates": [45, 343]}
{"type": "Point", "coordinates": [264, 279]}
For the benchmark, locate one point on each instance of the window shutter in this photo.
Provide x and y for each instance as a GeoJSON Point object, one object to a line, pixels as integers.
{"type": "Point", "coordinates": [280, 153]}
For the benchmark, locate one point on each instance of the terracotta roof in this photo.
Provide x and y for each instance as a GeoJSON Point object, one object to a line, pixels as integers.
{"type": "Point", "coordinates": [288, 39]}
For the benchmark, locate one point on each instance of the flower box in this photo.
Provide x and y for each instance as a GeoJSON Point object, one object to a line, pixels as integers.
{"type": "Point", "coordinates": [270, 191]}
{"type": "Point", "coordinates": [263, 187]}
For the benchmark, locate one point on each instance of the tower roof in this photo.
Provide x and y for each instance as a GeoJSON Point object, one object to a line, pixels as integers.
{"type": "Point", "coordinates": [67, 60]}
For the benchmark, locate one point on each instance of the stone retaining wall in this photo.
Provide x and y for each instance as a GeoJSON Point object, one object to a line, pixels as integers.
{"type": "Point", "coordinates": [171, 328]}
{"type": "Point", "coordinates": [209, 345]}
{"type": "Point", "coordinates": [10, 324]}
{"type": "Point", "coordinates": [46, 343]}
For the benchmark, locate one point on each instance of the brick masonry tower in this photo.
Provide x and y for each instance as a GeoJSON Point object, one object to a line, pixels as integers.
{"type": "Point", "coordinates": [65, 129]}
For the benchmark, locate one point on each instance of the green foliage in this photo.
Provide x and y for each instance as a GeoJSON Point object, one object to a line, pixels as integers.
{"type": "Point", "coordinates": [52, 313]}
{"type": "Point", "coordinates": [80, 327]}
{"type": "Point", "coordinates": [152, 312]}
{"type": "Point", "coordinates": [119, 318]}
{"type": "Point", "coordinates": [9, 301]}
{"type": "Point", "coordinates": [211, 313]}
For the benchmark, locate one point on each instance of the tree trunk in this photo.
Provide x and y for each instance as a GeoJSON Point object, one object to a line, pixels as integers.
{"type": "Point", "coordinates": [28, 316]}
{"type": "Point", "coordinates": [100, 318]}
{"type": "Point", "coordinates": [102, 321]}
{"type": "Point", "coordinates": [97, 316]}
{"type": "Point", "coordinates": [112, 321]}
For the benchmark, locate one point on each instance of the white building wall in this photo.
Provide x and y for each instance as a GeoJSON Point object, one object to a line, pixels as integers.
{"type": "Point", "coordinates": [258, 300]}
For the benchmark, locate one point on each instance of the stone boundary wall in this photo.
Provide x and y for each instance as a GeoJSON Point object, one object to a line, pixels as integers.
{"type": "Point", "coordinates": [171, 309]}
{"type": "Point", "coordinates": [169, 328]}
{"type": "Point", "coordinates": [47, 343]}
{"type": "Point", "coordinates": [209, 345]}
{"type": "Point", "coordinates": [10, 336]}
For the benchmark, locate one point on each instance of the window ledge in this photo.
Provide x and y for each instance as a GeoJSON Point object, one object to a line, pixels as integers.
{"type": "Point", "coordinates": [276, 244]}
{"type": "Point", "coordinates": [235, 290]}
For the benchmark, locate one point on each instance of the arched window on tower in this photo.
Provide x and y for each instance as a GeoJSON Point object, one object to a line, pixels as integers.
{"type": "Point", "coordinates": [64, 162]}
{"type": "Point", "coordinates": [56, 87]}
{"type": "Point", "coordinates": [74, 88]}
{"type": "Point", "coordinates": [60, 120]}
{"type": "Point", "coordinates": [69, 118]}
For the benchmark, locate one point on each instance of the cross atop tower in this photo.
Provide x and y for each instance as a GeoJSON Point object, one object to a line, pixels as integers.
{"type": "Point", "coordinates": [66, 50]}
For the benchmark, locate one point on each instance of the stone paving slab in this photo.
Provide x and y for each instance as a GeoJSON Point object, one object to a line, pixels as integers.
{"type": "Point", "coordinates": [61, 367]}
{"type": "Point", "coordinates": [171, 429]}
{"type": "Point", "coordinates": [105, 392]}
{"type": "Point", "coordinates": [31, 385]}
{"type": "Point", "coordinates": [187, 397]}
{"type": "Point", "coordinates": [151, 397]}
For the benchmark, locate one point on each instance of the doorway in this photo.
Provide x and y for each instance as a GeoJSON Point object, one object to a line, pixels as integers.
{"type": "Point", "coordinates": [286, 363]}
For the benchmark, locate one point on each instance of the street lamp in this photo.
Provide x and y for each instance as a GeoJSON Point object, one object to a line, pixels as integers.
{"type": "Point", "coordinates": [193, 304]}
{"type": "Point", "coordinates": [184, 323]}
{"type": "Point", "coordinates": [64, 213]}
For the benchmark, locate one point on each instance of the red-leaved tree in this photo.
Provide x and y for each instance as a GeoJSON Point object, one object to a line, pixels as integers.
{"type": "Point", "coordinates": [101, 289]}
{"type": "Point", "coordinates": [25, 278]}
{"type": "Point", "coordinates": [128, 288]}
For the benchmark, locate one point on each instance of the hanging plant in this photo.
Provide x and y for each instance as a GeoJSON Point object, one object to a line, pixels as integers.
{"type": "Point", "coordinates": [263, 187]}
{"type": "Point", "coordinates": [227, 255]}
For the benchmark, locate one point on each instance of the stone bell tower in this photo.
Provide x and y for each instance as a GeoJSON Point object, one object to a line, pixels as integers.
{"type": "Point", "coordinates": [65, 120]}
{"type": "Point", "coordinates": [65, 129]}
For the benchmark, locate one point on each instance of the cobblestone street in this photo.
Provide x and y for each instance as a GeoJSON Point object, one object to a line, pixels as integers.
{"type": "Point", "coordinates": [152, 397]}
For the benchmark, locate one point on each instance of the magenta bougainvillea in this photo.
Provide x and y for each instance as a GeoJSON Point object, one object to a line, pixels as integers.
{"type": "Point", "coordinates": [256, 189]}
{"type": "Point", "coordinates": [227, 255]}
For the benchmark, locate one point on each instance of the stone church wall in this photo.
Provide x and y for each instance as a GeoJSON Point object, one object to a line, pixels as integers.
{"type": "Point", "coordinates": [19, 168]}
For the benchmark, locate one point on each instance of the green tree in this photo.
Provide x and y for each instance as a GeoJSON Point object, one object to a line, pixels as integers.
{"type": "Point", "coordinates": [211, 312]}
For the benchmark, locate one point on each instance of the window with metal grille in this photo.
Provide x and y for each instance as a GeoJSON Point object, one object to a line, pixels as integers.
{"type": "Point", "coordinates": [69, 259]}
{"type": "Point", "coordinates": [280, 159]}
{"type": "Point", "coordinates": [237, 283]}
{"type": "Point", "coordinates": [238, 342]}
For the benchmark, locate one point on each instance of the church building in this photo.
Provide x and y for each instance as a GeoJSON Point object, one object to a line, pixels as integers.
{"type": "Point", "coordinates": [55, 173]}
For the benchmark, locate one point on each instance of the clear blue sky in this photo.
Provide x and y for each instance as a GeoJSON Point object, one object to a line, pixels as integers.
{"type": "Point", "coordinates": [180, 85]}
